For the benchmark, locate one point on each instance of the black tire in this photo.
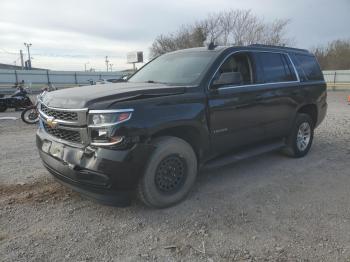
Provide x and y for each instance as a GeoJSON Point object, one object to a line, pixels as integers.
{"type": "Point", "coordinates": [3, 108]}
{"type": "Point", "coordinates": [30, 115]}
{"type": "Point", "coordinates": [175, 156]}
{"type": "Point", "coordinates": [293, 149]}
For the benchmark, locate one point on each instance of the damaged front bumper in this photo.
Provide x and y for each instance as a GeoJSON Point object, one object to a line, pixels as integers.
{"type": "Point", "coordinates": [106, 175]}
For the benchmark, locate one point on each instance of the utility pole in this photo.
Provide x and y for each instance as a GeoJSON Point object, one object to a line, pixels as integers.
{"type": "Point", "coordinates": [111, 67]}
{"type": "Point", "coordinates": [107, 61]}
{"type": "Point", "coordinates": [28, 45]}
{"type": "Point", "coordinates": [22, 61]}
{"type": "Point", "coordinates": [85, 65]}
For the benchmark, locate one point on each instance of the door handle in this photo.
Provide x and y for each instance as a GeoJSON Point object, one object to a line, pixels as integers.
{"type": "Point", "coordinates": [259, 98]}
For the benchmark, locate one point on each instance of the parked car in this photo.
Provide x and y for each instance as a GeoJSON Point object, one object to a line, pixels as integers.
{"type": "Point", "coordinates": [109, 80]}
{"type": "Point", "coordinates": [194, 108]}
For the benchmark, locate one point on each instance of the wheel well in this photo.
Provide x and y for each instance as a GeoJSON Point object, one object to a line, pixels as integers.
{"type": "Point", "coordinates": [311, 110]}
{"type": "Point", "coordinates": [190, 134]}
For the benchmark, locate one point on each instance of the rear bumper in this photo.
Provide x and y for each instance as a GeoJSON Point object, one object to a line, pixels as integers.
{"type": "Point", "coordinates": [108, 176]}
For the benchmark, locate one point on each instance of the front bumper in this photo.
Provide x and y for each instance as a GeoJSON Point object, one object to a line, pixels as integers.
{"type": "Point", "coordinates": [106, 175]}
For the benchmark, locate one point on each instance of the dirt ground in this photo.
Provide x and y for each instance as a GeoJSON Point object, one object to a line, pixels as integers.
{"type": "Point", "coordinates": [269, 208]}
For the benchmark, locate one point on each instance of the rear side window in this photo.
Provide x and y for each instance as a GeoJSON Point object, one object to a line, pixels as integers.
{"type": "Point", "coordinates": [275, 67]}
{"type": "Point", "coordinates": [310, 67]}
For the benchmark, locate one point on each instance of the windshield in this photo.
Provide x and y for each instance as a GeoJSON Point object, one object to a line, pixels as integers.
{"type": "Point", "coordinates": [175, 68]}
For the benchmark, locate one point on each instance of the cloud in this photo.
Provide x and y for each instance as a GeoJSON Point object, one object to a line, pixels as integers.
{"type": "Point", "coordinates": [72, 32]}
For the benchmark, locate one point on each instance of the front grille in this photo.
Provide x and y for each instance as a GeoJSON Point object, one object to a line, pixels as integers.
{"type": "Point", "coordinates": [68, 135]}
{"type": "Point", "coordinates": [60, 115]}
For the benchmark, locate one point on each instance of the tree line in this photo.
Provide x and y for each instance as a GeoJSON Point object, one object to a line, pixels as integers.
{"type": "Point", "coordinates": [232, 27]}
{"type": "Point", "coordinates": [334, 56]}
{"type": "Point", "coordinates": [243, 27]}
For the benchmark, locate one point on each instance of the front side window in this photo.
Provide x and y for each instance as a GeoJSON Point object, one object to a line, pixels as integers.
{"type": "Point", "coordinates": [238, 64]}
{"type": "Point", "coordinates": [275, 67]}
{"type": "Point", "coordinates": [178, 68]}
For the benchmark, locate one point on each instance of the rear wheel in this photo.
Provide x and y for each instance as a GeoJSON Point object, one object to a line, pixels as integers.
{"type": "Point", "coordinates": [300, 139]}
{"type": "Point", "coordinates": [170, 173]}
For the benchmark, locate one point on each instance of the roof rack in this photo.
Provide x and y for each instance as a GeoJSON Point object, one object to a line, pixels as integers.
{"type": "Point", "coordinates": [280, 47]}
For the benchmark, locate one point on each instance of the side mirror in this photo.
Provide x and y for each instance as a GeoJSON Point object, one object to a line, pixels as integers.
{"type": "Point", "coordinates": [231, 78]}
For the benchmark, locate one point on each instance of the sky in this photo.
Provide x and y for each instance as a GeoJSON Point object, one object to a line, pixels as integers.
{"type": "Point", "coordinates": [72, 34]}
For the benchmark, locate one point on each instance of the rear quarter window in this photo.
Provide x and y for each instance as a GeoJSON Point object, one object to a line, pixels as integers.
{"type": "Point", "coordinates": [310, 67]}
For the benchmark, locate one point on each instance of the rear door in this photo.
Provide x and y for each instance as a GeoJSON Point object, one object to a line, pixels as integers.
{"type": "Point", "coordinates": [278, 93]}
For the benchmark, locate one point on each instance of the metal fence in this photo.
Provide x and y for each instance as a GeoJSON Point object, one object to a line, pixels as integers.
{"type": "Point", "coordinates": [58, 78]}
{"type": "Point", "coordinates": [337, 79]}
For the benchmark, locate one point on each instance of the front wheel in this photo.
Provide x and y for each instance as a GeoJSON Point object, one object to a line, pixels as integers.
{"type": "Point", "coordinates": [30, 115]}
{"type": "Point", "coordinates": [170, 173]}
{"type": "Point", "coordinates": [3, 108]}
{"type": "Point", "coordinates": [300, 139]}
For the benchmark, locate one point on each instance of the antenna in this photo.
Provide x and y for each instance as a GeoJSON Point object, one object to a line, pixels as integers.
{"type": "Point", "coordinates": [212, 46]}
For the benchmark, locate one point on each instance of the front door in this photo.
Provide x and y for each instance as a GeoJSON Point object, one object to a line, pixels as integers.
{"type": "Point", "coordinates": [233, 108]}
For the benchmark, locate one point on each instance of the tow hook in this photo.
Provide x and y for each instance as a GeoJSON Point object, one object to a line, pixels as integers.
{"type": "Point", "coordinates": [88, 151]}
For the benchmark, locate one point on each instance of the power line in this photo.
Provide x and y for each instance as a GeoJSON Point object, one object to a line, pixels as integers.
{"type": "Point", "coordinates": [62, 55]}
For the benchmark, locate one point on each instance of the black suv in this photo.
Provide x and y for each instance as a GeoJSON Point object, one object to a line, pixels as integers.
{"type": "Point", "coordinates": [182, 111]}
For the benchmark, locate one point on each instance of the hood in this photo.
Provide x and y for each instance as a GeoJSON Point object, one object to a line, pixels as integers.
{"type": "Point", "coordinates": [84, 96]}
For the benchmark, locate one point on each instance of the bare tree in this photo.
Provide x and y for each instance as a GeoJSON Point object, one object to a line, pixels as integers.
{"type": "Point", "coordinates": [334, 56]}
{"type": "Point", "coordinates": [186, 37]}
{"type": "Point", "coordinates": [232, 27]}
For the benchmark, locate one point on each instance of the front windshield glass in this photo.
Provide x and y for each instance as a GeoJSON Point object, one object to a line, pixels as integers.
{"type": "Point", "coordinates": [175, 68]}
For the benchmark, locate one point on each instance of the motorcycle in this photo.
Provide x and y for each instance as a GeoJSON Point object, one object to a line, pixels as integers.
{"type": "Point", "coordinates": [19, 99]}
{"type": "Point", "coordinates": [30, 115]}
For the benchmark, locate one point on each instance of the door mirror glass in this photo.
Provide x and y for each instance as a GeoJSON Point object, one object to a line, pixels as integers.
{"type": "Point", "coordinates": [230, 78]}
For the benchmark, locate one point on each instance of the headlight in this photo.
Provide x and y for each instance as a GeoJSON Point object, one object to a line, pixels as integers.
{"type": "Point", "coordinates": [102, 125]}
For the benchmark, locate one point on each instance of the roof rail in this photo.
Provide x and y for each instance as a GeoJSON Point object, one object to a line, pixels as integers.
{"type": "Point", "coordinates": [280, 47]}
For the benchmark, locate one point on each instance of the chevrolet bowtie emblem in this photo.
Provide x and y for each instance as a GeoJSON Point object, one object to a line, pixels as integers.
{"type": "Point", "coordinates": [51, 122]}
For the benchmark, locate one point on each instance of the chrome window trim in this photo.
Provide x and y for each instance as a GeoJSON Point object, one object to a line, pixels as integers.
{"type": "Point", "coordinates": [273, 83]}
{"type": "Point", "coordinates": [249, 85]}
{"type": "Point", "coordinates": [295, 69]}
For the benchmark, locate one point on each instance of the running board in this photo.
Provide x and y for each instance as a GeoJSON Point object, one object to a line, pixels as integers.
{"type": "Point", "coordinates": [244, 154]}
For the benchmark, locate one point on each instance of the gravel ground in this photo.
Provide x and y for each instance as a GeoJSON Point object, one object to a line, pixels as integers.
{"type": "Point", "coordinates": [270, 208]}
